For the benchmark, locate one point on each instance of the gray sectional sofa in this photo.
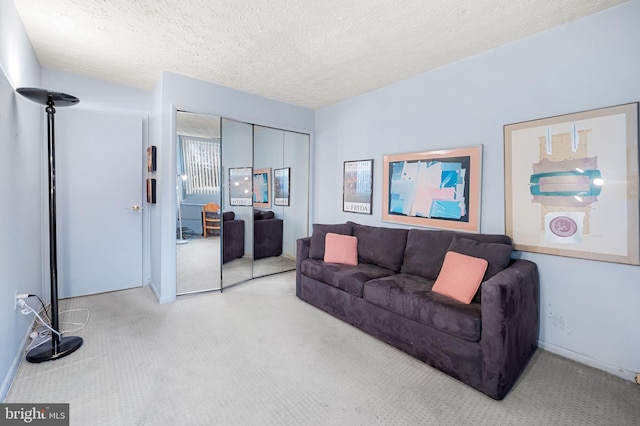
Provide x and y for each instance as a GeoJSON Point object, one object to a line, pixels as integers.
{"type": "Point", "coordinates": [485, 344]}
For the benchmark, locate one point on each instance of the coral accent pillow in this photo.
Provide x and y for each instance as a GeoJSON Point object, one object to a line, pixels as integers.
{"type": "Point", "coordinates": [460, 276]}
{"type": "Point", "coordinates": [341, 249]}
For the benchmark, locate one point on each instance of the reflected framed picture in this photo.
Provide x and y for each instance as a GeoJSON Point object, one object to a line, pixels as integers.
{"type": "Point", "coordinates": [434, 189]}
{"type": "Point", "coordinates": [281, 184]}
{"type": "Point", "coordinates": [151, 191]}
{"type": "Point", "coordinates": [151, 158]}
{"type": "Point", "coordinates": [571, 184]}
{"type": "Point", "coordinates": [240, 186]}
{"type": "Point", "coordinates": [262, 188]}
{"type": "Point", "coordinates": [357, 186]}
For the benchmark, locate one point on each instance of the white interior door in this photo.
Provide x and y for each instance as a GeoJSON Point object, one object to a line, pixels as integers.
{"type": "Point", "coordinates": [99, 181]}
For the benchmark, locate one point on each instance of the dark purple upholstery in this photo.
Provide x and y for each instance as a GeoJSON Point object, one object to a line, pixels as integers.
{"type": "Point", "coordinates": [320, 231]}
{"type": "Point", "coordinates": [411, 297]}
{"type": "Point", "coordinates": [345, 277]}
{"type": "Point", "coordinates": [232, 237]}
{"type": "Point", "coordinates": [497, 254]}
{"type": "Point", "coordinates": [485, 345]}
{"type": "Point", "coordinates": [267, 235]}
{"type": "Point", "coordinates": [380, 246]}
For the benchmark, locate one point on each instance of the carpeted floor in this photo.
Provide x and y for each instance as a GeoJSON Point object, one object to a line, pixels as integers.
{"type": "Point", "coordinates": [198, 266]}
{"type": "Point", "coordinates": [255, 354]}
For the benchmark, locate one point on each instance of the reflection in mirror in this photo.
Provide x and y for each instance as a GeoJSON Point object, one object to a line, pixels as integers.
{"type": "Point", "coordinates": [295, 212]}
{"type": "Point", "coordinates": [198, 193]}
{"type": "Point", "coordinates": [283, 218]}
{"type": "Point", "coordinates": [237, 217]}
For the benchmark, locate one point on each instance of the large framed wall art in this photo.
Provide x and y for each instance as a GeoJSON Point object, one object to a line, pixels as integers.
{"type": "Point", "coordinates": [357, 186]}
{"type": "Point", "coordinates": [434, 189]}
{"type": "Point", "coordinates": [571, 185]}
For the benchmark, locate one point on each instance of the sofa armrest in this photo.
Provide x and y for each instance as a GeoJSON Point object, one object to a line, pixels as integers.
{"type": "Point", "coordinates": [302, 253]}
{"type": "Point", "coordinates": [510, 325]}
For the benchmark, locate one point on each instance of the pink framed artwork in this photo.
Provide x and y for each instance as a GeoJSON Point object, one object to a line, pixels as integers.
{"type": "Point", "coordinates": [434, 189]}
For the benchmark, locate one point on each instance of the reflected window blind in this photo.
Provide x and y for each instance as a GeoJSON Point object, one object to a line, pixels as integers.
{"type": "Point", "coordinates": [201, 165]}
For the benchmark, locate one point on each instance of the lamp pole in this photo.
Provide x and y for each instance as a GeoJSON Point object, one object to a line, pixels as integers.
{"type": "Point", "coordinates": [60, 346]}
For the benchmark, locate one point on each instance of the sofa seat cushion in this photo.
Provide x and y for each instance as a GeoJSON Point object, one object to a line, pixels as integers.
{"type": "Point", "coordinates": [345, 277]}
{"type": "Point", "coordinates": [411, 297]}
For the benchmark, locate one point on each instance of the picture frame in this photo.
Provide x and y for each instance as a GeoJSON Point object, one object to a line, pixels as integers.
{"type": "Point", "coordinates": [571, 184]}
{"type": "Point", "coordinates": [240, 186]}
{"type": "Point", "coordinates": [357, 186]}
{"type": "Point", "coordinates": [434, 189]}
{"type": "Point", "coordinates": [151, 191]}
{"type": "Point", "coordinates": [152, 158]}
{"type": "Point", "coordinates": [281, 186]}
{"type": "Point", "coordinates": [262, 188]}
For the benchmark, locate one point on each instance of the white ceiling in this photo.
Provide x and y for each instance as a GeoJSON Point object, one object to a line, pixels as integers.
{"type": "Point", "coordinates": [306, 52]}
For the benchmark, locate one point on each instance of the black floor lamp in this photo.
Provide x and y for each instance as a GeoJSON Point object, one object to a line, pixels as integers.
{"type": "Point", "coordinates": [60, 346]}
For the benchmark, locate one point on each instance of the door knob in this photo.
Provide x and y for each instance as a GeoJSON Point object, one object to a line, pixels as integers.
{"type": "Point", "coordinates": [134, 208]}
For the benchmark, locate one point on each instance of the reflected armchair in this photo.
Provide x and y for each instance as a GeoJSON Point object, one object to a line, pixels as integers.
{"type": "Point", "coordinates": [267, 234]}
{"type": "Point", "coordinates": [232, 237]}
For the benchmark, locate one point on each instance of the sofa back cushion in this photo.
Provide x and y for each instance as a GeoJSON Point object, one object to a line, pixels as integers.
{"type": "Point", "coordinates": [497, 254]}
{"type": "Point", "coordinates": [316, 246]}
{"type": "Point", "coordinates": [426, 249]}
{"type": "Point", "coordinates": [380, 246]}
{"type": "Point", "coordinates": [425, 252]}
{"type": "Point", "coordinates": [263, 214]}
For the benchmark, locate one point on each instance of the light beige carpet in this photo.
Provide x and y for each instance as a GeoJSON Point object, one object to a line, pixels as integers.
{"type": "Point", "coordinates": [256, 355]}
{"type": "Point", "coordinates": [198, 266]}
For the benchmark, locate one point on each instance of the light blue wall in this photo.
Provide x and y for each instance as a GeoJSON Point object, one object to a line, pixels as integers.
{"type": "Point", "coordinates": [103, 96]}
{"type": "Point", "coordinates": [22, 162]}
{"type": "Point", "coordinates": [589, 310]}
{"type": "Point", "coordinates": [175, 92]}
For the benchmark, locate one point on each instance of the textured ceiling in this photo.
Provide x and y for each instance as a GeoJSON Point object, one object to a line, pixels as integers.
{"type": "Point", "coordinates": [311, 53]}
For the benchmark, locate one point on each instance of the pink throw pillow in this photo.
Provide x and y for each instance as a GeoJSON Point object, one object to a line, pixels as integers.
{"type": "Point", "coordinates": [341, 249]}
{"type": "Point", "coordinates": [460, 276]}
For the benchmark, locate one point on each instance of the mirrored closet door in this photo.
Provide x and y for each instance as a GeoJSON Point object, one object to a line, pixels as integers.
{"type": "Point", "coordinates": [281, 186]}
{"type": "Point", "coordinates": [244, 220]}
{"type": "Point", "coordinates": [199, 202]}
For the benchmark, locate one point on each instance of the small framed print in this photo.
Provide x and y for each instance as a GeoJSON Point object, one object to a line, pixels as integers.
{"type": "Point", "coordinates": [357, 186]}
{"type": "Point", "coordinates": [281, 186]}
{"type": "Point", "coordinates": [151, 159]}
{"type": "Point", "coordinates": [240, 186]}
{"type": "Point", "coordinates": [151, 191]}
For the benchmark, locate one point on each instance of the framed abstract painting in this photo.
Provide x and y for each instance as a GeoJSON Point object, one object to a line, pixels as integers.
{"type": "Point", "coordinates": [434, 189]}
{"type": "Point", "coordinates": [571, 184]}
{"type": "Point", "coordinates": [262, 188]}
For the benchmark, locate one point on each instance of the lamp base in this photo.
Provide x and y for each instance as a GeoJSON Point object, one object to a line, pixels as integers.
{"type": "Point", "coordinates": [66, 346]}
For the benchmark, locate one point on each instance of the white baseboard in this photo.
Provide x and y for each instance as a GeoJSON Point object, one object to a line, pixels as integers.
{"type": "Point", "coordinates": [154, 290]}
{"type": "Point", "coordinates": [11, 374]}
{"type": "Point", "coordinates": [583, 359]}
